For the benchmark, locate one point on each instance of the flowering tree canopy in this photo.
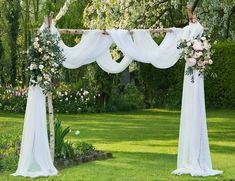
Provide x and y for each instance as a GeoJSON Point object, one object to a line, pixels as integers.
{"type": "Point", "coordinates": [153, 14]}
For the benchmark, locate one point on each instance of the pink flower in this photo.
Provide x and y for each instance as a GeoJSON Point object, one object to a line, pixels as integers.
{"type": "Point", "coordinates": [197, 45]}
{"type": "Point", "coordinates": [191, 61]}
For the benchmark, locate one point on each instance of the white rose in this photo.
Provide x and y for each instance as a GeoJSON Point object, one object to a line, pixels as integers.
{"type": "Point", "coordinates": [35, 44]}
{"type": "Point", "coordinates": [31, 67]}
{"type": "Point", "coordinates": [203, 38]}
{"type": "Point", "coordinates": [189, 44]}
{"type": "Point", "coordinates": [41, 67]}
{"type": "Point", "coordinates": [210, 61]}
{"type": "Point", "coordinates": [39, 78]}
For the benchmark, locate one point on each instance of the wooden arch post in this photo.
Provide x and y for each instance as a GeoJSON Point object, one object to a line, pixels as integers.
{"type": "Point", "coordinates": [47, 21]}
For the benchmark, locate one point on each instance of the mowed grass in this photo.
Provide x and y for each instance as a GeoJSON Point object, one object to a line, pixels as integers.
{"type": "Point", "coordinates": [143, 143]}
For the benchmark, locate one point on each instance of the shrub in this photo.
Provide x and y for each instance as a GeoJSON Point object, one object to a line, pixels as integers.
{"type": "Point", "coordinates": [9, 151]}
{"type": "Point", "coordinates": [126, 99]}
{"type": "Point", "coordinates": [69, 99]}
{"type": "Point", "coordinates": [220, 92]}
{"type": "Point", "coordinates": [13, 99]}
{"type": "Point", "coordinates": [67, 149]}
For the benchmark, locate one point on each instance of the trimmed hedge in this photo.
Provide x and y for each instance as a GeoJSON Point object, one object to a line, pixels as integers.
{"type": "Point", "coordinates": [163, 88]}
{"type": "Point", "coordinates": [220, 92]}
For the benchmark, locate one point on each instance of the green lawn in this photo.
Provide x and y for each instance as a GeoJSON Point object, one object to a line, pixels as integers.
{"type": "Point", "coordinates": [144, 145]}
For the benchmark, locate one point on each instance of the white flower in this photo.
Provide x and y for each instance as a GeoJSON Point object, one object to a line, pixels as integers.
{"type": "Point", "coordinates": [36, 39]}
{"type": "Point", "coordinates": [46, 76]}
{"type": "Point", "coordinates": [210, 61]}
{"type": "Point", "coordinates": [45, 57]}
{"type": "Point", "coordinates": [77, 132]}
{"type": "Point", "coordinates": [31, 67]}
{"type": "Point", "coordinates": [203, 38]}
{"type": "Point", "coordinates": [36, 45]}
{"type": "Point", "coordinates": [41, 67]}
{"type": "Point", "coordinates": [85, 92]}
{"type": "Point", "coordinates": [33, 81]}
{"type": "Point", "coordinates": [46, 82]}
{"type": "Point", "coordinates": [66, 98]}
{"type": "Point", "coordinates": [197, 54]}
{"type": "Point", "coordinates": [39, 78]}
{"type": "Point", "coordinates": [206, 45]}
{"type": "Point", "coordinates": [189, 44]}
{"type": "Point", "coordinates": [52, 70]}
{"type": "Point", "coordinates": [65, 93]}
{"type": "Point", "coordinates": [40, 50]}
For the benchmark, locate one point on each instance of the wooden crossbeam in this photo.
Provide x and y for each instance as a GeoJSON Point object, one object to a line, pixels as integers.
{"type": "Point", "coordinates": [81, 31]}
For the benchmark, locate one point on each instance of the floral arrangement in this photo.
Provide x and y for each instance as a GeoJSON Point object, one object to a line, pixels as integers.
{"type": "Point", "coordinates": [197, 54]}
{"type": "Point", "coordinates": [45, 58]}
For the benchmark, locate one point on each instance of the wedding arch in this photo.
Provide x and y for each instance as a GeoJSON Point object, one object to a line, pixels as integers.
{"type": "Point", "coordinates": [193, 150]}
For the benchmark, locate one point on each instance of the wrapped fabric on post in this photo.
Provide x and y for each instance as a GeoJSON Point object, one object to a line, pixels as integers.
{"type": "Point", "coordinates": [193, 151]}
{"type": "Point", "coordinates": [35, 159]}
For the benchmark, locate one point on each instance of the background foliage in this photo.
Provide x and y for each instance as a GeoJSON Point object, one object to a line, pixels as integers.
{"type": "Point", "coordinates": [158, 88]}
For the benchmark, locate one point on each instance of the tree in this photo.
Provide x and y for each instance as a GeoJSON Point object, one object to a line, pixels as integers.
{"type": "Point", "coordinates": [12, 13]}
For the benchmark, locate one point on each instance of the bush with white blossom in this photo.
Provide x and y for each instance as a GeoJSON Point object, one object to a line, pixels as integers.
{"type": "Point", "coordinates": [197, 54]}
{"type": "Point", "coordinates": [45, 58]}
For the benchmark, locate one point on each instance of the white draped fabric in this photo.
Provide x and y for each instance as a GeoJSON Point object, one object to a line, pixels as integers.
{"type": "Point", "coordinates": [193, 150]}
{"type": "Point", "coordinates": [94, 47]}
{"type": "Point", "coordinates": [193, 155]}
{"type": "Point", "coordinates": [35, 159]}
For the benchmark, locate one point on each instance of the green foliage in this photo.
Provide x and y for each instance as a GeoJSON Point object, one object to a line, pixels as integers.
{"type": "Point", "coordinates": [126, 98]}
{"type": "Point", "coordinates": [62, 148]}
{"type": "Point", "coordinates": [68, 149]}
{"type": "Point", "coordinates": [12, 14]}
{"type": "Point", "coordinates": [9, 151]}
{"type": "Point", "coordinates": [83, 148]}
{"type": "Point", "coordinates": [144, 145]}
{"type": "Point", "coordinates": [220, 92]}
{"type": "Point", "coordinates": [46, 58]}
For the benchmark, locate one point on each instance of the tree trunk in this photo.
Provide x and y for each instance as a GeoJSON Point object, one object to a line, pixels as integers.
{"type": "Point", "coordinates": [51, 125]}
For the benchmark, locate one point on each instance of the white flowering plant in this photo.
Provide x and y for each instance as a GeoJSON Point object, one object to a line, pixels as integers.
{"type": "Point", "coordinates": [45, 58]}
{"type": "Point", "coordinates": [197, 54]}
